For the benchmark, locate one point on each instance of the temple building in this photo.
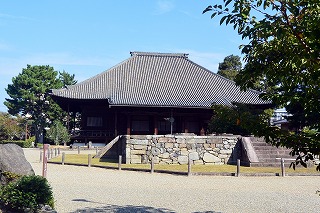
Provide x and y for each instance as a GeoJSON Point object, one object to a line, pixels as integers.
{"type": "Point", "coordinates": [150, 94]}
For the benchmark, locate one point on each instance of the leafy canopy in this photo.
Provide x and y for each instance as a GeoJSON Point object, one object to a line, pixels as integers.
{"type": "Point", "coordinates": [11, 128]}
{"type": "Point", "coordinates": [29, 95]}
{"type": "Point", "coordinates": [240, 119]}
{"type": "Point", "coordinates": [230, 67]}
{"type": "Point", "coordinates": [283, 54]}
{"type": "Point", "coordinates": [58, 133]}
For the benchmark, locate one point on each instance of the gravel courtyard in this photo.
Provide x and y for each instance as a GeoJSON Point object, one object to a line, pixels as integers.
{"type": "Point", "coordinates": [84, 189]}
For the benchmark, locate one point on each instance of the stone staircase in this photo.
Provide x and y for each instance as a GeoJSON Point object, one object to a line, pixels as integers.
{"type": "Point", "coordinates": [266, 155]}
{"type": "Point", "coordinates": [108, 147]}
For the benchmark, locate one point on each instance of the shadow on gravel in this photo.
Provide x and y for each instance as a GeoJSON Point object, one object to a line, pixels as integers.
{"type": "Point", "coordinates": [124, 209]}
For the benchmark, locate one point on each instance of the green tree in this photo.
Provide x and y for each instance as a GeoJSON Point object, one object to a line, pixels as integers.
{"type": "Point", "coordinates": [240, 119]}
{"type": "Point", "coordinates": [66, 78]}
{"type": "Point", "coordinates": [29, 95]}
{"type": "Point", "coordinates": [230, 67]}
{"type": "Point", "coordinates": [283, 54]}
{"type": "Point", "coordinates": [10, 127]}
{"type": "Point", "coordinates": [58, 133]}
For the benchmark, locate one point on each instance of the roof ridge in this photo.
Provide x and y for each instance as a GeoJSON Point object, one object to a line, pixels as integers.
{"type": "Point", "coordinates": [137, 53]}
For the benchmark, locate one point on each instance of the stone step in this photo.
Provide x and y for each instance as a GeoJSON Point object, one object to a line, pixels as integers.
{"type": "Point", "coordinates": [269, 148]}
{"type": "Point", "coordinates": [270, 157]}
{"type": "Point", "coordinates": [268, 164]}
{"type": "Point", "coordinates": [274, 152]}
{"type": "Point", "coordinates": [260, 144]}
{"type": "Point", "coordinates": [268, 160]}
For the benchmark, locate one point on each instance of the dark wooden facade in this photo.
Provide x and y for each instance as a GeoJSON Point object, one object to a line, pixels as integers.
{"type": "Point", "coordinates": [102, 123]}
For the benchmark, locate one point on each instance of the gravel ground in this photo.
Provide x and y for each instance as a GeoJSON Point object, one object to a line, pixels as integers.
{"type": "Point", "coordinates": [84, 189]}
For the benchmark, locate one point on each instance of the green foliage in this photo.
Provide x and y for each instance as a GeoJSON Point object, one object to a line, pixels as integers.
{"type": "Point", "coordinates": [26, 192]}
{"type": "Point", "coordinates": [283, 55]}
{"type": "Point", "coordinates": [22, 143]}
{"type": "Point", "coordinates": [29, 141]}
{"type": "Point", "coordinates": [19, 143]}
{"type": "Point", "coordinates": [240, 119]}
{"type": "Point", "coordinates": [230, 67]}
{"type": "Point", "coordinates": [66, 78]}
{"type": "Point", "coordinates": [58, 133]}
{"type": "Point", "coordinates": [10, 176]}
{"type": "Point", "coordinates": [10, 127]}
{"type": "Point", "coordinates": [29, 95]}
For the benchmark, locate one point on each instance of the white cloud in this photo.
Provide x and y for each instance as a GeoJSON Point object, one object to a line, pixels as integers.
{"type": "Point", "coordinates": [164, 7]}
{"type": "Point", "coordinates": [8, 16]}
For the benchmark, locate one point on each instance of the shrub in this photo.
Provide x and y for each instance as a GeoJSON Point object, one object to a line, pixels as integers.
{"type": "Point", "coordinates": [9, 176]}
{"type": "Point", "coordinates": [28, 192]}
{"type": "Point", "coordinates": [21, 143]}
{"type": "Point", "coordinates": [28, 142]}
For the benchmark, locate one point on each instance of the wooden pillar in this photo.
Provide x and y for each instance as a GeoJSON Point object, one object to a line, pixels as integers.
{"type": "Point", "coordinates": [202, 131]}
{"type": "Point", "coordinates": [128, 124]}
{"type": "Point", "coordinates": [115, 124]}
{"type": "Point", "coordinates": [68, 118]}
{"type": "Point", "coordinates": [186, 130]}
{"type": "Point", "coordinates": [155, 121]}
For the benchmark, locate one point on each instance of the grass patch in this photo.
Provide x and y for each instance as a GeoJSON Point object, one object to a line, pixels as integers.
{"type": "Point", "coordinates": [82, 159]}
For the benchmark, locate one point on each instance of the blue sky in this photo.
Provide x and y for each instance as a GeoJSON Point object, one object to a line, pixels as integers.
{"type": "Point", "coordinates": [86, 37]}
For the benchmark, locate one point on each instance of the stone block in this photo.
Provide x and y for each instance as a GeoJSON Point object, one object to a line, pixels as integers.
{"type": "Point", "coordinates": [181, 140]}
{"type": "Point", "coordinates": [138, 152]}
{"type": "Point", "coordinates": [214, 140]}
{"type": "Point", "coordinates": [191, 146]}
{"type": "Point", "coordinates": [198, 162]}
{"type": "Point", "coordinates": [223, 156]}
{"type": "Point", "coordinates": [210, 158]}
{"type": "Point", "coordinates": [135, 159]}
{"type": "Point", "coordinates": [156, 159]}
{"type": "Point", "coordinates": [173, 155]}
{"type": "Point", "coordinates": [182, 145]}
{"type": "Point", "coordinates": [200, 141]}
{"type": "Point", "coordinates": [168, 145]}
{"type": "Point", "coordinates": [139, 146]}
{"type": "Point", "coordinates": [164, 155]}
{"type": "Point", "coordinates": [166, 140]}
{"type": "Point", "coordinates": [225, 151]}
{"type": "Point", "coordinates": [138, 137]}
{"type": "Point", "coordinates": [155, 151]}
{"type": "Point", "coordinates": [170, 150]}
{"type": "Point", "coordinates": [183, 159]}
{"type": "Point", "coordinates": [175, 161]}
{"type": "Point", "coordinates": [184, 152]}
{"type": "Point", "coordinates": [219, 146]}
{"type": "Point", "coordinates": [159, 145]}
{"type": "Point", "coordinates": [166, 161]}
{"type": "Point", "coordinates": [226, 146]}
{"type": "Point", "coordinates": [144, 159]}
{"type": "Point", "coordinates": [200, 137]}
{"type": "Point", "coordinates": [190, 140]}
{"type": "Point", "coordinates": [140, 142]}
{"type": "Point", "coordinates": [193, 156]}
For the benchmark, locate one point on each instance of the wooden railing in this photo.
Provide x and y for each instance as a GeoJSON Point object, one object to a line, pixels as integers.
{"type": "Point", "coordinates": [92, 133]}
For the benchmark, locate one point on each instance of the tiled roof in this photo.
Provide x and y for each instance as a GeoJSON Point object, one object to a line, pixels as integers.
{"type": "Point", "coordinates": [159, 79]}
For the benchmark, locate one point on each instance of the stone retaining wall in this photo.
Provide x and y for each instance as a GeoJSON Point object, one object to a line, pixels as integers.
{"type": "Point", "coordinates": [177, 149]}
